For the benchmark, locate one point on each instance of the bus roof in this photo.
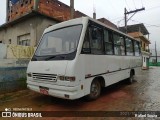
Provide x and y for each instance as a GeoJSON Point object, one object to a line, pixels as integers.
{"type": "Point", "coordinates": [113, 29]}
{"type": "Point", "coordinates": [84, 21]}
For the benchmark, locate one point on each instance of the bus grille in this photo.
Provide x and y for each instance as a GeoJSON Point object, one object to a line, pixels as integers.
{"type": "Point", "coordinates": [44, 77]}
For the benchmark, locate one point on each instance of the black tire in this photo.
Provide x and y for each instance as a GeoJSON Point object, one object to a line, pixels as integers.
{"type": "Point", "coordinates": [131, 78]}
{"type": "Point", "coordinates": [95, 90]}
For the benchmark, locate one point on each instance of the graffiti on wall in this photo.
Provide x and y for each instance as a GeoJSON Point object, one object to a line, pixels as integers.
{"type": "Point", "coordinates": [18, 52]}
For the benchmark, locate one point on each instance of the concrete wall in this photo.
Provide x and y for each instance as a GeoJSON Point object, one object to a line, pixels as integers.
{"type": "Point", "coordinates": [3, 51]}
{"type": "Point", "coordinates": [33, 26]}
{"type": "Point", "coordinates": [42, 24]}
{"type": "Point", "coordinates": [13, 65]}
{"type": "Point", "coordinates": [12, 78]}
{"type": "Point", "coordinates": [22, 28]}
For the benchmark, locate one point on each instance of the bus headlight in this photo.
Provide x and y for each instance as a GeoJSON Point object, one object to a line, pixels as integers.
{"type": "Point", "coordinates": [71, 79]}
{"type": "Point", "coordinates": [67, 78]}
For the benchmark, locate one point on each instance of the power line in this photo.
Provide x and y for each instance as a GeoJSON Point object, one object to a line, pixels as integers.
{"type": "Point", "coordinates": [113, 6]}
{"type": "Point", "coordinates": [148, 25]}
{"type": "Point", "coordinates": [142, 3]}
{"type": "Point", "coordinates": [127, 4]}
{"type": "Point", "coordinates": [153, 8]}
{"type": "Point", "coordinates": [134, 4]}
{"type": "Point", "coordinates": [116, 18]}
{"type": "Point", "coordinates": [130, 12]}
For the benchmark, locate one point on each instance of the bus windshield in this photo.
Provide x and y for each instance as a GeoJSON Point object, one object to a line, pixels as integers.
{"type": "Point", "coordinates": [59, 42]}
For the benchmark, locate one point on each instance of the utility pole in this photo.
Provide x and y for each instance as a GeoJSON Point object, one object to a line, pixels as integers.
{"type": "Point", "coordinates": [72, 8]}
{"type": "Point", "coordinates": [126, 13]}
{"type": "Point", "coordinates": [125, 19]}
{"type": "Point", "coordinates": [156, 51]}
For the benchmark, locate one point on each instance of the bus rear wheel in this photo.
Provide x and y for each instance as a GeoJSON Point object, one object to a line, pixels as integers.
{"type": "Point", "coordinates": [95, 90]}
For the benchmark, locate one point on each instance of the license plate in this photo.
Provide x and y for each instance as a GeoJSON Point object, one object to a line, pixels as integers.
{"type": "Point", "coordinates": [44, 90]}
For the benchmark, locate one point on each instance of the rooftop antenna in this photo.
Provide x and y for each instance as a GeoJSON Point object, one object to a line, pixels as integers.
{"type": "Point", "coordinates": [10, 9]}
{"type": "Point", "coordinates": [94, 10]}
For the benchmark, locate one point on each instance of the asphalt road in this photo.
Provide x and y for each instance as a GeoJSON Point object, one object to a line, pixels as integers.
{"type": "Point", "coordinates": [142, 95]}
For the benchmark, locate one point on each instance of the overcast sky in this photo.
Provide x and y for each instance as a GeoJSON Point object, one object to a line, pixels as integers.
{"type": "Point", "coordinates": [113, 10]}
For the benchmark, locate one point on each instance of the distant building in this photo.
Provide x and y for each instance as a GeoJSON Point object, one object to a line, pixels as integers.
{"type": "Point", "coordinates": [51, 8]}
{"type": "Point", "coordinates": [107, 22]}
{"type": "Point", "coordinates": [140, 32]}
{"type": "Point", "coordinates": [152, 60]}
{"type": "Point", "coordinates": [26, 30]}
{"type": "Point", "coordinates": [27, 19]}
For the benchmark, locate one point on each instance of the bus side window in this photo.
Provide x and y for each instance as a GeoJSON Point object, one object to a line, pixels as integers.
{"type": "Point", "coordinates": [122, 45]}
{"type": "Point", "coordinates": [86, 44]}
{"type": "Point", "coordinates": [108, 42]}
{"type": "Point", "coordinates": [136, 48]}
{"type": "Point", "coordinates": [117, 49]}
{"type": "Point", "coordinates": [96, 40]}
{"type": "Point", "coordinates": [129, 47]}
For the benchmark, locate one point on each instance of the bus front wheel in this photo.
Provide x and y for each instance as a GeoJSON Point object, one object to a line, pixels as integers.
{"type": "Point", "coordinates": [95, 90]}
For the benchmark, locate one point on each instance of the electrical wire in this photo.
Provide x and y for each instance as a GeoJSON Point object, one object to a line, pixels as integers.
{"type": "Point", "coordinates": [152, 8]}
{"type": "Point", "coordinates": [148, 25]}
{"type": "Point", "coordinates": [116, 18]}
{"type": "Point", "coordinates": [94, 7]}
{"type": "Point", "coordinates": [113, 7]}
{"type": "Point", "coordinates": [127, 4]}
{"type": "Point", "coordinates": [142, 3]}
{"type": "Point", "coordinates": [134, 4]}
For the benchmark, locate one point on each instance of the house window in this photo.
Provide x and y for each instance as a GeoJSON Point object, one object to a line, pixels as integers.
{"type": "Point", "coordinates": [24, 40]}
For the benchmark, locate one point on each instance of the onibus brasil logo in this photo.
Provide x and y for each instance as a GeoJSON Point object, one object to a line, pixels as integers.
{"type": "Point", "coordinates": [9, 113]}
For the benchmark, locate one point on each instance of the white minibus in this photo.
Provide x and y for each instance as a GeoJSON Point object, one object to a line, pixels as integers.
{"type": "Point", "coordinates": [78, 57]}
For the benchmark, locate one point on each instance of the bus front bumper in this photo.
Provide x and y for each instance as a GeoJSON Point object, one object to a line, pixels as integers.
{"type": "Point", "coordinates": [57, 91]}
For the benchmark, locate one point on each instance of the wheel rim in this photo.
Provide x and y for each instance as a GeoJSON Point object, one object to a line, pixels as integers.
{"type": "Point", "coordinates": [95, 89]}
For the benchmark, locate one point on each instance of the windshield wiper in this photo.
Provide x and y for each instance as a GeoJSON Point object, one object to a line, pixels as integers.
{"type": "Point", "coordinates": [50, 57]}
{"type": "Point", "coordinates": [61, 56]}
